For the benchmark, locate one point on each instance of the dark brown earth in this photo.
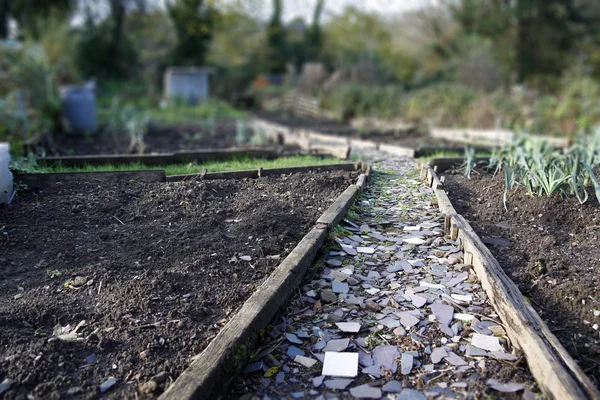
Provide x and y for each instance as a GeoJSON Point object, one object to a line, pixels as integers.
{"type": "Point", "coordinates": [159, 139]}
{"type": "Point", "coordinates": [553, 255]}
{"type": "Point", "coordinates": [154, 270]}
{"type": "Point", "coordinates": [415, 138]}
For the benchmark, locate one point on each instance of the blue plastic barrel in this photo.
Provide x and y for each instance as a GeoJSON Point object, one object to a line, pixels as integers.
{"type": "Point", "coordinates": [79, 108]}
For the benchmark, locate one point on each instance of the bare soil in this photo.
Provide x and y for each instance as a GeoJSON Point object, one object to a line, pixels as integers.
{"type": "Point", "coordinates": [154, 270]}
{"type": "Point", "coordinates": [550, 248]}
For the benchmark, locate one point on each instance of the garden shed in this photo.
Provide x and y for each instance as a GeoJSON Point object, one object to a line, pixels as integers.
{"type": "Point", "coordinates": [188, 83]}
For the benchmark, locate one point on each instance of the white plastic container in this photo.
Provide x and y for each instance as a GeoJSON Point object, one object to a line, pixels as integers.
{"type": "Point", "coordinates": [6, 178]}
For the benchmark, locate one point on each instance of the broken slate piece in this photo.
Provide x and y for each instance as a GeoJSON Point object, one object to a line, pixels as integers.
{"type": "Point", "coordinates": [339, 287]}
{"type": "Point", "coordinates": [374, 370]}
{"type": "Point", "coordinates": [473, 351]}
{"type": "Point", "coordinates": [318, 381]}
{"type": "Point", "coordinates": [280, 378]}
{"type": "Point", "coordinates": [365, 250]}
{"type": "Point", "coordinates": [390, 322]}
{"type": "Point", "coordinates": [408, 320]}
{"type": "Point", "coordinates": [406, 363]}
{"type": "Point", "coordinates": [413, 240]}
{"type": "Point", "coordinates": [365, 392]}
{"type": "Point", "coordinates": [410, 394]}
{"type": "Point", "coordinates": [293, 351]}
{"type": "Point", "coordinates": [337, 345]}
{"type": "Point", "coordinates": [392, 387]}
{"type": "Point", "coordinates": [253, 367]}
{"type": "Point", "coordinates": [293, 338]}
{"type": "Point", "coordinates": [107, 384]}
{"type": "Point", "coordinates": [352, 327]}
{"type": "Point", "coordinates": [305, 361]}
{"type": "Point", "coordinates": [438, 354]}
{"type": "Point", "coordinates": [334, 262]}
{"type": "Point", "coordinates": [509, 387]}
{"type": "Point", "coordinates": [386, 356]}
{"type": "Point", "coordinates": [489, 343]}
{"type": "Point", "coordinates": [464, 317]}
{"type": "Point", "coordinates": [338, 384]}
{"type": "Point", "coordinates": [500, 355]}
{"type": "Point", "coordinates": [6, 384]}
{"type": "Point", "coordinates": [443, 313]}
{"type": "Point", "coordinates": [417, 301]}
{"type": "Point", "coordinates": [455, 360]}
{"type": "Point", "coordinates": [340, 364]}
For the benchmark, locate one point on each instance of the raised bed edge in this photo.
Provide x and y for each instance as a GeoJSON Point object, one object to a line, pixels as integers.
{"type": "Point", "coordinates": [555, 371]}
{"type": "Point", "coordinates": [212, 368]}
{"type": "Point", "coordinates": [46, 179]}
{"type": "Point", "coordinates": [159, 159]}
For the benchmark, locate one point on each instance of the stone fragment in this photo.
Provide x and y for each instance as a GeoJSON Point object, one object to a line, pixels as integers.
{"type": "Point", "coordinates": [107, 384]}
{"type": "Point", "coordinates": [443, 313]}
{"type": "Point", "coordinates": [293, 351]}
{"type": "Point", "coordinates": [340, 364]}
{"type": "Point", "coordinates": [386, 356]}
{"type": "Point", "coordinates": [339, 287]}
{"type": "Point", "coordinates": [337, 345]}
{"type": "Point", "coordinates": [318, 381]}
{"type": "Point", "coordinates": [305, 361]}
{"type": "Point", "coordinates": [489, 343]}
{"type": "Point", "coordinates": [372, 306]}
{"type": "Point", "coordinates": [392, 387]}
{"type": "Point", "coordinates": [455, 360]}
{"type": "Point", "coordinates": [327, 296]}
{"type": "Point", "coordinates": [365, 392]}
{"type": "Point", "coordinates": [406, 363]}
{"type": "Point", "coordinates": [293, 338]}
{"type": "Point", "coordinates": [253, 367]}
{"type": "Point", "coordinates": [410, 394]}
{"type": "Point", "coordinates": [338, 384]}
{"type": "Point", "coordinates": [509, 387]}
{"type": "Point", "coordinates": [365, 250]}
{"type": "Point", "coordinates": [352, 327]}
{"type": "Point", "coordinates": [473, 351]}
{"type": "Point", "coordinates": [438, 354]}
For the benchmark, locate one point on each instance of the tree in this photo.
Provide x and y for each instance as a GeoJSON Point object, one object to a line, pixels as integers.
{"type": "Point", "coordinates": [30, 14]}
{"type": "Point", "coordinates": [4, 16]}
{"type": "Point", "coordinates": [276, 41]}
{"type": "Point", "coordinates": [314, 34]}
{"type": "Point", "coordinates": [194, 24]}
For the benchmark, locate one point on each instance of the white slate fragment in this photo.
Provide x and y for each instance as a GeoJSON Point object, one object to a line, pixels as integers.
{"type": "Point", "coordinates": [413, 240]}
{"type": "Point", "coordinates": [489, 343]}
{"type": "Point", "coordinates": [305, 361]}
{"type": "Point", "coordinates": [365, 250]}
{"type": "Point", "coordinates": [339, 287]}
{"type": "Point", "coordinates": [464, 317]}
{"type": "Point", "coordinates": [509, 387]}
{"type": "Point", "coordinates": [431, 285]}
{"type": "Point", "coordinates": [340, 364]}
{"type": "Point", "coordinates": [352, 327]}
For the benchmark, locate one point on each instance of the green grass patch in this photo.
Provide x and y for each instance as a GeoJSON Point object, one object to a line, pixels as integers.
{"type": "Point", "coordinates": [193, 167]}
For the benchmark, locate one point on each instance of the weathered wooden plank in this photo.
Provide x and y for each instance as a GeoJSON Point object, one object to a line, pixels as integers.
{"type": "Point", "coordinates": [334, 214]}
{"type": "Point", "coordinates": [293, 170]}
{"type": "Point", "coordinates": [206, 377]}
{"type": "Point", "coordinates": [556, 372]}
{"type": "Point", "coordinates": [445, 163]}
{"type": "Point", "coordinates": [224, 154]}
{"type": "Point", "coordinates": [493, 137]}
{"type": "Point", "coordinates": [104, 159]}
{"type": "Point", "coordinates": [241, 174]}
{"type": "Point", "coordinates": [47, 179]}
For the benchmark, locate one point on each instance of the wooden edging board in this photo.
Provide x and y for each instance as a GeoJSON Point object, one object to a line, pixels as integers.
{"type": "Point", "coordinates": [35, 181]}
{"type": "Point", "coordinates": [304, 138]}
{"type": "Point", "coordinates": [43, 180]}
{"type": "Point", "coordinates": [491, 137]}
{"type": "Point", "coordinates": [208, 374]}
{"type": "Point", "coordinates": [555, 371]}
{"type": "Point", "coordinates": [160, 159]}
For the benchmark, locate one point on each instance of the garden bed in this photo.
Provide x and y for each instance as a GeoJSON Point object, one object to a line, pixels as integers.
{"type": "Point", "coordinates": [549, 248]}
{"type": "Point", "coordinates": [159, 139]}
{"type": "Point", "coordinates": [154, 269]}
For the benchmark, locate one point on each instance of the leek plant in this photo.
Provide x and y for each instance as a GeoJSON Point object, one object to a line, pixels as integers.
{"type": "Point", "coordinates": [545, 171]}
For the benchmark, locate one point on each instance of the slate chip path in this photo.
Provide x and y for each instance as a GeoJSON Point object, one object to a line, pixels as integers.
{"type": "Point", "coordinates": [398, 295]}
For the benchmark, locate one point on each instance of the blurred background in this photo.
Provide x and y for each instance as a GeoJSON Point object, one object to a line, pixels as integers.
{"type": "Point", "coordinates": [118, 65]}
